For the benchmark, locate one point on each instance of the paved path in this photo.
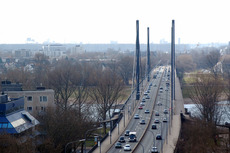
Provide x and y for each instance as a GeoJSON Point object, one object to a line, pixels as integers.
{"type": "Point", "coordinates": [173, 135]}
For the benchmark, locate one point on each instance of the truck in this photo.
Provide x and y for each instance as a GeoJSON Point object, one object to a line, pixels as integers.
{"type": "Point", "coordinates": [132, 137]}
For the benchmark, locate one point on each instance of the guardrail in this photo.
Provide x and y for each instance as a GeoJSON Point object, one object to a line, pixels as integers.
{"type": "Point", "coordinates": [120, 117]}
{"type": "Point", "coordinates": [135, 147]}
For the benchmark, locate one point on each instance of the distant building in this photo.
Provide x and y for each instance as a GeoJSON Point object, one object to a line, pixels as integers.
{"type": "Point", "coordinates": [54, 50]}
{"type": "Point", "coordinates": [77, 49]}
{"type": "Point", "coordinates": [36, 101]}
{"type": "Point", "coordinates": [13, 118]}
{"type": "Point", "coordinates": [22, 53]}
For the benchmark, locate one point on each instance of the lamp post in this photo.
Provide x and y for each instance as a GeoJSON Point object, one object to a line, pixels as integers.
{"type": "Point", "coordinates": [89, 131]}
{"type": "Point", "coordinates": [82, 140]}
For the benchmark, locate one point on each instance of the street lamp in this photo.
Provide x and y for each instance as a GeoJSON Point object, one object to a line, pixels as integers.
{"type": "Point", "coordinates": [89, 131]}
{"type": "Point", "coordinates": [82, 140]}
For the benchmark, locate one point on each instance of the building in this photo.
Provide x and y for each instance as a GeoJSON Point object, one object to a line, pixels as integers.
{"type": "Point", "coordinates": [77, 49]}
{"type": "Point", "coordinates": [13, 118]}
{"type": "Point", "coordinates": [35, 101]}
{"type": "Point", "coordinates": [54, 50]}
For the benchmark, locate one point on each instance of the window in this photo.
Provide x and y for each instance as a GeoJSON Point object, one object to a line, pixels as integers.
{"type": "Point", "coordinates": [43, 98]}
{"type": "Point", "coordinates": [43, 108]}
{"type": "Point", "coordinates": [29, 108]}
{"type": "Point", "coordinates": [29, 98]}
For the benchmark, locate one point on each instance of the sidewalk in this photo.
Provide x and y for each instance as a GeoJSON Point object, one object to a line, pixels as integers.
{"type": "Point", "coordinates": [170, 145]}
{"type": "Point", "coordinates": [106, 145]}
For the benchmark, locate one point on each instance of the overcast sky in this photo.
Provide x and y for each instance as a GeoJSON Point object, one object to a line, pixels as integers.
{"type": "Point", "coordinates": [103, 21]}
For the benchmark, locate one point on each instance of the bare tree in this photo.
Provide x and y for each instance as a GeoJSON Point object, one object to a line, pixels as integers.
{"type": "Point", "coordinates": [41, 69]}
{"type": "Point", "coordinates": [184, 63]}
{"type": "Point", "coordinates": [106, 92]}
{"type": "Point", "coordinates": [63, 80]}
{"type": "Point", "coordinates": [125, 68]}
{"type": "Point", "coordinates": [205, 93]}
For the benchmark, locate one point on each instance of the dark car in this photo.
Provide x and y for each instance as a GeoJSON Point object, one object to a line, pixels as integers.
{"type": "Point", "coordinates": [158, 137]}
{"type": "Point", "coordinates": [156, 121]}
{"type": "Point", "coordinates": [157, 114]}
{"type": "Point", "coordinates": [165, 111]}
{"type": "Point", "coordinates": [147, 97]}
{"type": "Point", "coordinates": [118, 145]}
{"type": "Point", "coordinates": [121, 139]}
{"type": "Point", "coordinates": [127, 133]}
{"type": "Point", "coordinates": [154, 126]}
{"type": "Point", "coordinates": [143, 100]}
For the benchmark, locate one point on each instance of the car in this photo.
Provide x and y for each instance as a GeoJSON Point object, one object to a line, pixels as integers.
{"type": "Point", "coordinates": [154, 150]}
{"type": "Point", "coordinates": [158, 137]}
{"type": "Point", "coordinates": [159, 103]}
{"type": "Point", "coordinates": [157, 114]}
{"type": "Point", "coordinates": [150, 84]}
{"type": "Point", "coordinates": [140, 107]}
{"type": "Point", "coordinates": [161, 88]}
{"type": "Point", "coordinates": [154, 126]}
{"type": "Point", "coordinates": [136, 116]}
{"type": "Point", "coordinates": [156, 121]}
{"type": "Point", "coordinates": [148, 91]}
{"type": "Point", "coordinates": [127, 147]}
{"type": "Point", "coordinates": [118, 145]}
{"type": "Point", "coordinates": [127, 133]}
{"type": "Point", "coordinates": [155, 85]}
{"type": "Point", "coordinates": [147, 97]}
{"type": "Point", "coordinates": [142, 122]}
{"type": "Point", "coordinates": [165, 111]}
{"type": "Point", "coordinates": [147, 111]}
{"type": "Point", "coordinates": [161, 91]}
{"type": "Point", "coordinates": [165, 120]}
{"type": "Point", "coordinates": [142, 104]}
{"type": "Point", "coordinates": [145, 93]}
{"type": "Point", "coordinates": [143, 99]}
{"type": "Point", "coordinates": [121, 139]}
{"type": "Point", "coordinates": [166, 89]}
{"type": "Point", "coordinates": [132, 137]}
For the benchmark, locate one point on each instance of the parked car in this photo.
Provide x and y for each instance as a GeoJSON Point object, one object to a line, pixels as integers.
{"type": "Point", "coordinates": [121, 139]}
{"type": "Point", "coordinates": [154, 150]}
{"type": "Point", "coordinates": [118, 145]}
{"type": "Point", "coordinates": [158, 137]}
{"type": "Point", "coordinates": [127, 147]}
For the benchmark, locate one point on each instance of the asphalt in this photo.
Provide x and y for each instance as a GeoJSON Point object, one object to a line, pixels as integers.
{"type": "Point", "coordinates": [173, 134]}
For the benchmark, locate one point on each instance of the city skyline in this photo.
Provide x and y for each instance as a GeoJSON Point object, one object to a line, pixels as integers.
{"type": "Point", "coordinates": [103, 21]}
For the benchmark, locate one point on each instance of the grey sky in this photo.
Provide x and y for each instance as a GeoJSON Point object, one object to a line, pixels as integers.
{"type": "Point", "coordinates": [102, 21]}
